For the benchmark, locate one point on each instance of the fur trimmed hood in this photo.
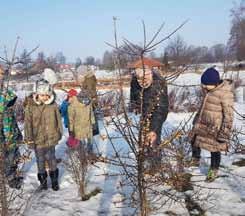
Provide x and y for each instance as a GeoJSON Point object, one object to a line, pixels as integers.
{"type": "Point", "coordinates": [51, 100]}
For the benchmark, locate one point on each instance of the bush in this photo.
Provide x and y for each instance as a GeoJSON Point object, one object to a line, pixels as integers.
{"type": "Point", "coordinates": [185, 99]}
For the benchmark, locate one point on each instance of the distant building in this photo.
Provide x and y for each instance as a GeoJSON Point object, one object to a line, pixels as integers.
{"type": "Point", "coordinates": [66, 72]}
{"type": "Point", "coordinates": [63, 67]}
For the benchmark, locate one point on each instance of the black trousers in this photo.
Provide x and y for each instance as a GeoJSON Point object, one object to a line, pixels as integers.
{"type": "Point", "coordinates": [215, 157]}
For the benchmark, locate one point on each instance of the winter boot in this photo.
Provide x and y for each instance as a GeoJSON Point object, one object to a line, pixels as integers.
{"type": "Point", "coordinates": [42, 177]}
{"type": "Point", "coordinates": [54, 175]}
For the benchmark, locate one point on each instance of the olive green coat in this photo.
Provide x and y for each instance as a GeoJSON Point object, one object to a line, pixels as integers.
{"type": "Point", "coordinates": [43, 125]}
{"type": "Point", "coordinates": [81, 119]}
{"type": "Point", "coordinates": [89, 83]}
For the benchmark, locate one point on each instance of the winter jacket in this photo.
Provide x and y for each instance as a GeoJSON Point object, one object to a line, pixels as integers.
{"type": "Point", "coordinates": [81, 119]}
{"type": "Point", "coordinates": [43, 126]}
{"type": "Point", "coordinates": [213, 123]}
{"type": "Point", "coordinates": [11, 132]}
{"type": "Point", "coordinates": [64, 112]}
{"type": "Point", "coordinates": [155, 102]}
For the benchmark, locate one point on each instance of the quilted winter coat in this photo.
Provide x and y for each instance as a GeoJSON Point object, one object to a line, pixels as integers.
{"type": "Point", "coordinates": [213, 123]}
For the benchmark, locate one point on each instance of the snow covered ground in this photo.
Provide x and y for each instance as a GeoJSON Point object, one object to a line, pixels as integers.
{"type": "Point", "coordinates": [227, 197]}
{"type": "Point", "coordinates": [105, 74]}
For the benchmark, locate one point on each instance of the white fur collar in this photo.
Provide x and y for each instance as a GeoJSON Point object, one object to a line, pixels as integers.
{"type": "Point", "coordinates": [49, 101]}
{"type": "Point", "coordinates": [35, 99]}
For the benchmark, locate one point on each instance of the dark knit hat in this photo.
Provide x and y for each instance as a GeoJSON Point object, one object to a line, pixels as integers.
{"type": "Point", "coordinates": [210, 77]}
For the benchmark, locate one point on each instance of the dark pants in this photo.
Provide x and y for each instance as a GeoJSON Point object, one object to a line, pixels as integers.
{"type": "Point", "coordinates": [96, 124]}
{"type": "Point", "coordinates": [215, 160]}
{"type": "Point", "coordinates": [215, 157]}
{"type": "Point", "coordinates": [46, 154]}
{"type": "Point", "coordinates": [87, 145]}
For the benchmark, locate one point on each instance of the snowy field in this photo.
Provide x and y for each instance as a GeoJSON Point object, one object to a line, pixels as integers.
{"type": "Point", "coordinates": [228, 195]}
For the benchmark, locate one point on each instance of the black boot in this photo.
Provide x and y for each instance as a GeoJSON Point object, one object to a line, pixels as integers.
{"type": "Point", "coordinates": [54, 175]}
{"type": "Point", "coordinates": [42, 177]}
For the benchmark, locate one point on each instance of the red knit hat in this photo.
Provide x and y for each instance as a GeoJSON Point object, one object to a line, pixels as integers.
{"type": "Point", "coordinates": [71, 93]}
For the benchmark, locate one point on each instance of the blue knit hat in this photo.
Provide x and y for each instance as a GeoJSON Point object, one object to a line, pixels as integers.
{"type": "Point", "coordinates": [210, 77]}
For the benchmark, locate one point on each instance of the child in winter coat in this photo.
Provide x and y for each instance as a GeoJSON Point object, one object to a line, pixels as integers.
{"type": "Point", "coordinates": [64, 112]}
{"type": "Point", "coordinates": [43, 130]}
{"type": "Point", "coordinates": [213, 122]}
{"type": "Point", "coordinates": [81, 118]}
{"type": "Point", "coordinates": [11, 137]}
{"type": "Point", "coordinates": [88, 82]}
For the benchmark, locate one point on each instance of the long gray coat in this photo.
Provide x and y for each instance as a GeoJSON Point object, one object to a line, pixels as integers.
{"type": "Point", "coordinates": [213, 123]}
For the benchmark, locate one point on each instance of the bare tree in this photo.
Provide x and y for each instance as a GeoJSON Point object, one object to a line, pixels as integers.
{"type": "Point", "coordinates": [148, 191]}
{"type": "Point", "coordinates": [78, 62]}
{"type": "Point", "coordinates": [90, 60]}
{"type": "Point", "coordinates": [9, 196]}
{"type": "Point", "coordinates": [178, 51]}
{"type": "Point", "coordinates": [219, 52]}
{"type": "Point", "coordinates": [60, 58]}
{"type": "Point", "coordinates": [26, 63]}
{"type": "Point", "coordinates": [107, 61]}
{"type": "Point", "coordinates": [237, 32]}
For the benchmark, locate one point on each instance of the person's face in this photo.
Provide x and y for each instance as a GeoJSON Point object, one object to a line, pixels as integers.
{"type": "Point", "coordinates": [208, 87]}
{"type": "Point", "coordinates": [43, 97]}
{"type": "Point", "coordinates": [144, 78]}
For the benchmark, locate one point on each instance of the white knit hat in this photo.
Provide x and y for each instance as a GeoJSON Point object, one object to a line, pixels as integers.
{"type": "Point", "coordinates": [50, 76]}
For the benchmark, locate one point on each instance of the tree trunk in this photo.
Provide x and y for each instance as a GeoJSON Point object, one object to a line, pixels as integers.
{"type": "Point", "coordinates": [144, 211]}
{"type": "Point", "coordinates": [3, 189]}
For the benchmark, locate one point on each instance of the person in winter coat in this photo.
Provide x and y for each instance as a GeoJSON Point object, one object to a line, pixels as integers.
{"type": "Point", "coordinates": [149, 89]}
{"type": "Point", "coordinates": [213, 123]}
{"type": "Point", "coordinates": [64, 112]}
{"type": "Point", "coordinates": [11, 138]}
{"type": "Point", "coordinates": [154, 101]}
{"type": "Point", "coordinates": [81, 118]}
{"type": "Point", "coordinates": [89, 82]}
{"type": "Point", "coordinates": [43, 130]}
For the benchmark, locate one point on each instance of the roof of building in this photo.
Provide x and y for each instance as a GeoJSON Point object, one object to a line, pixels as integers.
{"type": "Point", "coordinates": [147, 62]}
